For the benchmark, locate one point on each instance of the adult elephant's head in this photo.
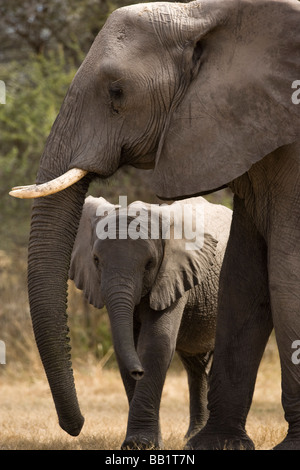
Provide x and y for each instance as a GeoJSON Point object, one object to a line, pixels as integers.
{"type": "Point", "coordinates": [196, 91]}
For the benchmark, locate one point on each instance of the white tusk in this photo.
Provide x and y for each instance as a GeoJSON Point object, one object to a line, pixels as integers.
{"type": "Point", "coordinates": [51, 187]}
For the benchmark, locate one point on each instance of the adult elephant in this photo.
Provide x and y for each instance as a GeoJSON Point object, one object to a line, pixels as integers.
{"type": "Point", "coordinates": [202, 93]}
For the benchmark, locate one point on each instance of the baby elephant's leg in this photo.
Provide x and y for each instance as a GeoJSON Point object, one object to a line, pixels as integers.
{"type": "Point", "coordinates": [156, 347]}
{"type": "Point", "coordinates": [197, 368]}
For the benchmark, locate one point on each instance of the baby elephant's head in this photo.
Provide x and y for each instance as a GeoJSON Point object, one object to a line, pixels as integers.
{"type": "Point", "coordinates": [122, 255]}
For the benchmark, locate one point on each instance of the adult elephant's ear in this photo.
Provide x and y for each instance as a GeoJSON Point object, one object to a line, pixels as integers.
{"type": "Point", "coordinates": [237, 105]}
{"type": "Point", "coordinates": [82, 269]}
{"type": "Point", "coordinates": [189, 252]}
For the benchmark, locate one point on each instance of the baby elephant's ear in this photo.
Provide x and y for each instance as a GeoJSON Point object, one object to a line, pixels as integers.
{"type": "Point", "coordinates": [82, 269]}
{"type": "Point", "coordinates": [186, 262]}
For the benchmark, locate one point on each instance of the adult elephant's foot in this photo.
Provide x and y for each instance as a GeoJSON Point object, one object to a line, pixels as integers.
{"type": "Point", "coordinates": [288, 444]}
{"type": "Point", "coordinates": [141, 443]}
{"type": "Point", "coordinates": [213, 439]}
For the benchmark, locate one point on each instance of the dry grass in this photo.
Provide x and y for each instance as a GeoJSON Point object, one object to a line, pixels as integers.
{"type": "Point", "coordinates": [28, 419]}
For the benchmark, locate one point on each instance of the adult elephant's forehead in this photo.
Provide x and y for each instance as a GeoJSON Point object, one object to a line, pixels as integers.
{"type": "Point", "coordinates": [124, 23]}
{"type": "Point", "coordinates": [128, 30]}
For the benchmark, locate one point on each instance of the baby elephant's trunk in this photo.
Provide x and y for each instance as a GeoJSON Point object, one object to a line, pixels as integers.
{"type": "Point", "coordinates": [120, 309]}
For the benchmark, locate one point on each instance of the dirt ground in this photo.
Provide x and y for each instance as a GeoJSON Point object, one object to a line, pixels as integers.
{"type": "Point", "coordinates": [28, 419]}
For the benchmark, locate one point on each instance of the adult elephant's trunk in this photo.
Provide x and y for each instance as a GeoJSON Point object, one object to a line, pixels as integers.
{"type": "Point", "coordinates": [54, 224]}
{"type": "Point", "coordinates": [55, 220]}
{"type": "Point", "coordinates": [120, 308]}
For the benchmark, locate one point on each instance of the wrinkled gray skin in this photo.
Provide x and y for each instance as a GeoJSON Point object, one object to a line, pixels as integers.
{"type": "Point", "coordinates": [201, 93]}
{"type": "Point", "coordinates": [160, 297]}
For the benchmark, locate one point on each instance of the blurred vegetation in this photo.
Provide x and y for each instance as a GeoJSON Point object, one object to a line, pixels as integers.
{"type": "Point", "coordinates": [42, 44]}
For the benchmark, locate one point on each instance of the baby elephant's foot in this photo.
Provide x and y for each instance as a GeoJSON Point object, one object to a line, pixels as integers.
{"type": "Point", "coordinates": [141, 443]}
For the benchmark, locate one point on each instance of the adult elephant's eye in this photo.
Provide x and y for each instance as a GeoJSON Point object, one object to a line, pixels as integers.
{"type": "Point", "coordinates": [115, 91]}
{"type": "Point", "coordinates": [116, 94]}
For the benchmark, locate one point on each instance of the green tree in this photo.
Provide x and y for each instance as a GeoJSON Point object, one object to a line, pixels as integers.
{"type": "Point", "coordinates": [41, 26]}
{"type": "Point", "coordinates": [33, 97]}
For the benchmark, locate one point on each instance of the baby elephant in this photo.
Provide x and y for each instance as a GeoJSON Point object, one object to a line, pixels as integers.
{"type": "Point", "coordinates": [156, 268]}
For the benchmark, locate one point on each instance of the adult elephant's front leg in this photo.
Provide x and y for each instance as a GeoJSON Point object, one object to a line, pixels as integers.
{"type": "Point", "coordinates": [156, 347]}
{"type": "Point", "coordinates": [244, 324]}
{"type": "Point", "coordinates": [284, 279]}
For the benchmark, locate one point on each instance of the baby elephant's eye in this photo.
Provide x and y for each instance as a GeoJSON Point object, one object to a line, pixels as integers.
{"type": "Point", "coordinates": [96, 260]}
